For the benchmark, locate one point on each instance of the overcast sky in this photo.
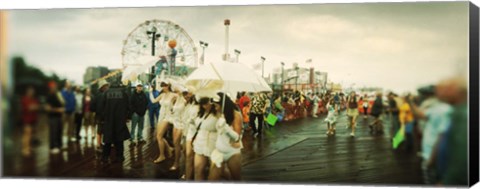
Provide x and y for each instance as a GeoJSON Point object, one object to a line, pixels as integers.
{"type": "Point", "coordinates": [397, 46]}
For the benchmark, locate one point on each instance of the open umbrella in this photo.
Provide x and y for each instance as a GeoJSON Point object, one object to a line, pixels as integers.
{"type": "Point", "coordinates": [236, 77]}
{"type": "Point", "coordinates": [130, 72]}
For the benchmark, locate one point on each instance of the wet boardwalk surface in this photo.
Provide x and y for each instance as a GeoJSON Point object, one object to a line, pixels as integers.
{"type": "Point", "coordinates": [297, 151]}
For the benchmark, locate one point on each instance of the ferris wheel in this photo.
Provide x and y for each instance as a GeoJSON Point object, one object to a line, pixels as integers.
{"type": "Point", "coordinates": [159, 43]}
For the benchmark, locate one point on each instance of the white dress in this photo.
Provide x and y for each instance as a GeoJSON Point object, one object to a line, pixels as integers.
{"type": "Point", "coordinates": [190, 114]}
{"type": "Point", "coordinates": [165, 106]}
{"type": "Point", "coordinates": [331, 117]}
{"type": "Point", "coordinates": [223, 149]}
{"type": "Point", "coordinates": [177, 111]}
{"type": "Point", "coordinates": [204, 143]}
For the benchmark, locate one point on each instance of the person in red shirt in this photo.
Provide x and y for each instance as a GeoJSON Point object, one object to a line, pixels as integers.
{"type": "Point", "coordinates": [242, 100]}
{"type": "Point", "coordinates": [30, 107]}
{"type": "Point", "coordinates": [88, 115]}
{"type": "Point", "coordinates": [246, 114]}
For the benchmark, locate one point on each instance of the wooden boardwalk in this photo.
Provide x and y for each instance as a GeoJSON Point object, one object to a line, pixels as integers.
{"type": "Point", "coordinates": [294, 152]}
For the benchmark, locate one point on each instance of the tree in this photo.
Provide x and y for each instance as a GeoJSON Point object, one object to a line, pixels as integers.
{"type": "Point", "coordinates": [25, 75]}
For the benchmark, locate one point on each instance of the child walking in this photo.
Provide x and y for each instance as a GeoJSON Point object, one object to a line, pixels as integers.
{"type": "Point", "coordinates": [331, 117]}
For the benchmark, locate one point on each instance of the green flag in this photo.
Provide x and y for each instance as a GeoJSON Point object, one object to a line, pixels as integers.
{"type": "Point", "coordinates": [399, 137]}
{"type": "Point", "coordinates": [271, 119]}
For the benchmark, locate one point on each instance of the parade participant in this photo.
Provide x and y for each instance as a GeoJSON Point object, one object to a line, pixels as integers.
{"type": "Point", "coordinates": [322, 103]}
{"type": "Point", "coordinates": [69, 118]}
{"type": "Point", "coordinates": [55, 108]}
{"type": "Point", "coordinates": [315, 100]}
{"type": "Point", "coordinates": [393, 108]}
{"type": "Point", "coordinates": [176, 121]}
{"type": "Point", "coordinates": [452, 150]}
{"type": "Point", "coordinates": [278, 105]}
{"type": "Point", "coordinates": [189, 116]}
{"type": "Point", "coordinates": [331, 119]}
{"type": "Point", "coordinates": [30, 107]}
{"type": "Point", "coordinates": [437, 116]}
{"type": "Point", "coordinates": [246, 114]}
{"type": "Point", "coordinates": [337, 99]}
{"type": "Point", "coordinates": [268, 102]}
{"type": "Point", "coordinates": [153, 108]}
{"type": "Point", "coordinates": [352, 112]}
{"type": "Point", "coordinates": [88, 116]}
{"type": "Point", "coordinates": [206, 134]}
{"type": "Point", "coordinates": [377, 110]}
{"type": "Point", "coordinates": [365, 106]}
{"type": "Point", "coordinates": [243, 99]}
{"type": "Point", "coordinates": [257, 112]}
{"type": "Point", "coordinates": [407, 120]}
{"type": "Point", "coordinates": [138, 105]}
{"type": "Point", "coordinates": [97, 107]}
{"type": "Point", "coordinates": [78, 111]}
{"type": "Point", "coordinates": [166, 100]}
{"type": "Point", "coordinates": [228, 146]}
{"type": "Point", "coordinates": [116, 114]}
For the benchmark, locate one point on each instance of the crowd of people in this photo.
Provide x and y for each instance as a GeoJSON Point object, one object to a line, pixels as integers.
{"type": "Point", "coordinates": [434, 122]}
{"type": "Point", "coordinates": [202, 129]}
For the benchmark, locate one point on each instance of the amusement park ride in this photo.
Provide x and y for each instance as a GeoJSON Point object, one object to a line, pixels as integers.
{"type": "Point", "coordinates": [157, 45]}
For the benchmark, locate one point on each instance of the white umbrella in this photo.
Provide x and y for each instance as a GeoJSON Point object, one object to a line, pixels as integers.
{"type": "Point", "coordinates": [236, 77]}
{"type": "Point", "coordinates": [131, 72]}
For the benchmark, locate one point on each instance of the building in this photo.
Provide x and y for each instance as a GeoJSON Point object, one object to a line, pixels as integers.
{"type": "Point", "coordinates": [93, 73]}
{"type": "Point", "coordinates": [297, 78]}
{"type": "Point", "coordinates": [334, 87]}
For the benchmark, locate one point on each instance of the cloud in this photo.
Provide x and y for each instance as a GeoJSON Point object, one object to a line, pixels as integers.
{"type": "Point", "coordinates": [375, 44]}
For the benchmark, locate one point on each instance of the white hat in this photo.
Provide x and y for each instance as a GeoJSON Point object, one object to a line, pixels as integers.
{"type": "Point", "coordinates": [206, 94]}
{"type": "Point", "coordinates": [102, 83]}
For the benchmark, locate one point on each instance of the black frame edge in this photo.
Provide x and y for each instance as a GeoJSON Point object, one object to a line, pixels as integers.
{"type": "Point", "coordinates": [474, 95]}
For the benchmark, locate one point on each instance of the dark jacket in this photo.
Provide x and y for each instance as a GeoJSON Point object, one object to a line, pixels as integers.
{"type": "Point", "coordinates": [54, 101]}
{"type": "Point", "coordinates": [97, 105]}
{"type": "Point", "coordinates": [116, 113]}
{"type": "Point", "coordinates": [138, 103]}
{"type": "Point", "coordinates": [377, 107]}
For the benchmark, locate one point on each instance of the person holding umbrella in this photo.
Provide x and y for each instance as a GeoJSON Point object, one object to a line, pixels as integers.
{"type": "Point", "coordinates": [175, 120]}
{"type": "Point", "coordinates": [205, 136]}
{"type": "Point", "coordinates": [188, 118]}
{"type": "Point", "coordinates": [227, 153]}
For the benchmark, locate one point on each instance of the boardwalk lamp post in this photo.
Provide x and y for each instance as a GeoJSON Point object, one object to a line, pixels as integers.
{"type": "Point", "coordinates": [296, 78]}
{"type": "Point", "coordinates": [283, 64]}
{"type": "Point", "coordinates": [203, 45]}
{"type": "Point", "coordinates": [226, 56]}
{"type": "Point", "coordinates": [237, 53]}
{"type": "Point", "coordinates": [154, 35]}
{"type": "Point", "coordinates": [263, 61]}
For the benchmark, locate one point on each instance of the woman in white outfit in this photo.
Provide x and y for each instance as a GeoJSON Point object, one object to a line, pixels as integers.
{"type": "Point", "coordinates": [190, 113]}
{"type": "Point", "coordinates": [166, 100]}
{"type": "Point", "coordinates": [176, 120]}
{"type": "Point", "coordinates": [205, 136]}
{"type": "Point", "coordinates": [227, 153]}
